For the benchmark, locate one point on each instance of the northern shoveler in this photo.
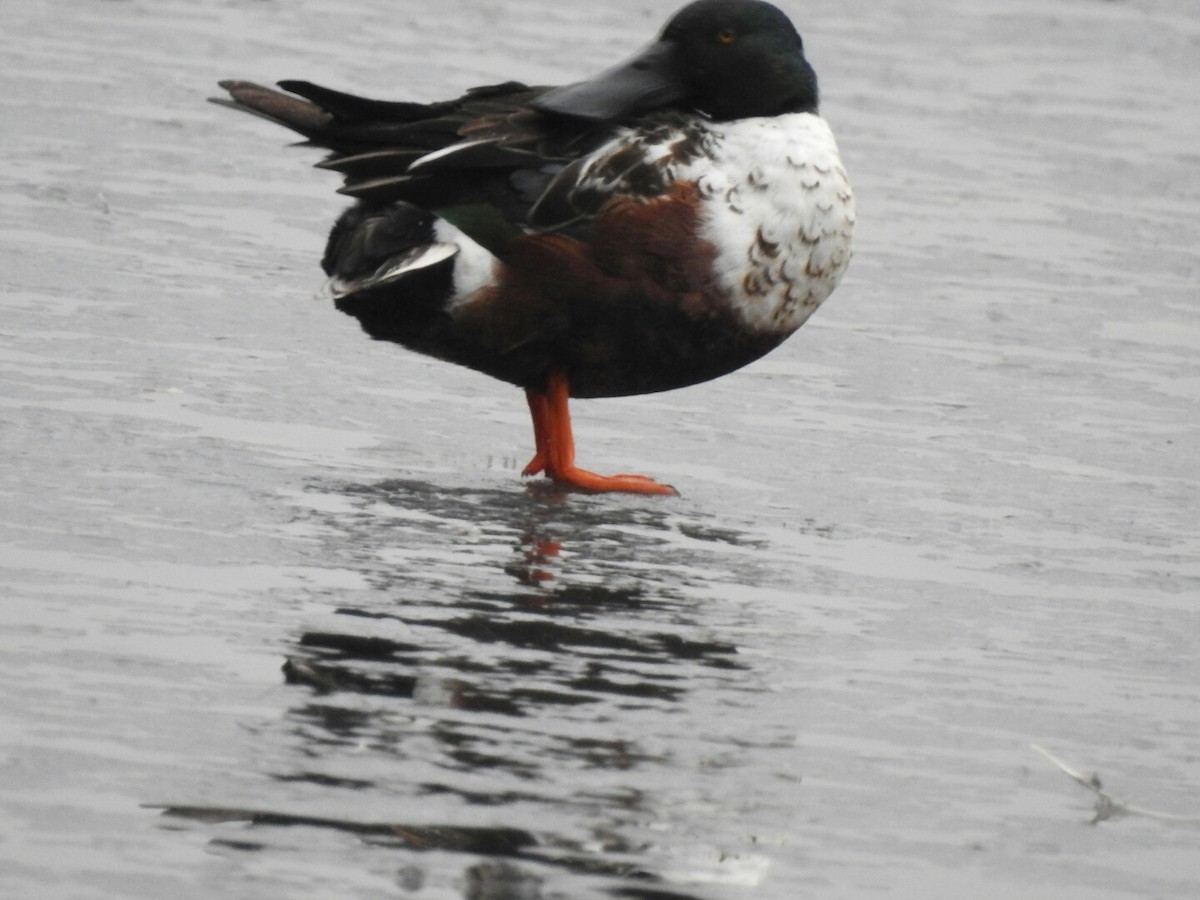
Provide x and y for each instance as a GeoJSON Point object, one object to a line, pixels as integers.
{"type": "Point", "coordinates": [664, 223]}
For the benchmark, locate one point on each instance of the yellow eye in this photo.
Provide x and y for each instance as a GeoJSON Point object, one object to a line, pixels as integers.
{"type": "Point", "coordinates": [726, 35]}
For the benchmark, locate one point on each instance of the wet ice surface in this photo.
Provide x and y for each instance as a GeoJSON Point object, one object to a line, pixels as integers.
{"type": "Point", "coordinates": [279, 618]}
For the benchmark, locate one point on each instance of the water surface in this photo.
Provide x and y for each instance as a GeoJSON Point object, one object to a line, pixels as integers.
{"type": "Point", "coordinates": [281, 619]}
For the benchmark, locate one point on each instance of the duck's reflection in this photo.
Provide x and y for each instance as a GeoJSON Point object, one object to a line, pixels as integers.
{"type": "Point", "coordinates": [511, 652]}
{"type": "Point", "coordinates": [536, 561]}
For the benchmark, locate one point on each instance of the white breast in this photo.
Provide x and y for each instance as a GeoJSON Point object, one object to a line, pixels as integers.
{"type": "Point", "coordinates": [779, 208]}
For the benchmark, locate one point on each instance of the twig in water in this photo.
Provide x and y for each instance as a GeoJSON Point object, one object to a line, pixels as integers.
{"type": "Point", "coordinates": [1108, 806]}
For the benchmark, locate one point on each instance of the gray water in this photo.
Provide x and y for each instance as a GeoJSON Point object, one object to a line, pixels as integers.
{"type": "Point", "coordinates": [280, 618]}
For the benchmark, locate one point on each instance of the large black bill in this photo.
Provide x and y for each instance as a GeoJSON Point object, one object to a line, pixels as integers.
{"type": "Point", "coordinates": [647, 81]}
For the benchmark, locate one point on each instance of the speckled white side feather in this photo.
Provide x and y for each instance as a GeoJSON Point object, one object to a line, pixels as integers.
{"type": "Point", "coordinates": [777, 205]}
{"type": "Point", "coordinates": [779, 208]}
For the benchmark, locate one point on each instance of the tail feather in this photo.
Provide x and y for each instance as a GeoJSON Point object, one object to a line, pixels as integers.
{"type": "Point", "coordinates": [352, 108]}
{"type": "Point", "coordinates": [373, 163]}
{"type": "Point", "coordinates": [486, 148]}
{"type": "Point", "coordinates": [300, 115]}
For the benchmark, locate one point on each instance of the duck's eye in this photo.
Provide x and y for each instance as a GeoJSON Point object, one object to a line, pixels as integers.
{"type": "Point", "coordinates": [726, 35]}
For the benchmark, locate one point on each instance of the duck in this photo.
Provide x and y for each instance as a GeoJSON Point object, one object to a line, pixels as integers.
{"type": "Point", "coordinates": [661, 224]}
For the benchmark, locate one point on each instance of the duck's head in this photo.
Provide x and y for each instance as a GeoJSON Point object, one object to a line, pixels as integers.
{"type": "Point", "coordinates": [726, 59]}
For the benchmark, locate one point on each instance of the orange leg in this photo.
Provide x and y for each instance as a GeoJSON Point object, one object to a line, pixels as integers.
{"type": "Point", "coordinates": [555, 454]}
{"type": "Point", "coordinates": [539, 411]}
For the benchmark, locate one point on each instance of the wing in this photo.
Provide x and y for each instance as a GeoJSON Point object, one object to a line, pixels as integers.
{"type": "Point", "coordinates": [642, 164]}
{"type": "Point", "coordinates": [481, 161]}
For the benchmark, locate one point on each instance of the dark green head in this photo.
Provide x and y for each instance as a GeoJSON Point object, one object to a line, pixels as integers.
{"type": "Point", "coordinates": [727, 59]}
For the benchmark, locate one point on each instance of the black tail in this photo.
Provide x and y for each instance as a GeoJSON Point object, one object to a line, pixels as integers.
{"type": "Point", "coordinates": [387, 270]}
{"type": "Point", "coordinates": [338, 121]}
{"type": "Point", "coordinates": [384, 264]}
{"type": "Point", "coordinates": [485, 186]}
